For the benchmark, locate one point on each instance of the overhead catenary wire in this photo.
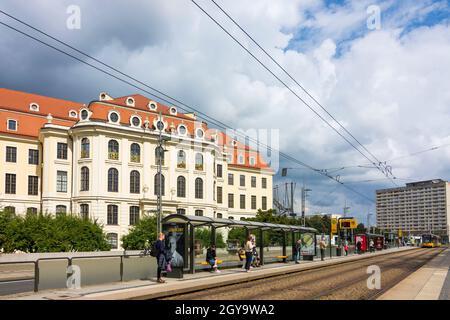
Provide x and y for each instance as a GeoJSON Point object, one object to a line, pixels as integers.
{"type": "Point", "coordinates": [290, 89]}
{"type": "Point", "coordinates": [292, 78]}
{"type": "Point", "coordinates": [218, 123]}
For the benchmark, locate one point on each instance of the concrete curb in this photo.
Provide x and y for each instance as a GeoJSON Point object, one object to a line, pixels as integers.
{"type": "Point", "coordinates": [188, 286]}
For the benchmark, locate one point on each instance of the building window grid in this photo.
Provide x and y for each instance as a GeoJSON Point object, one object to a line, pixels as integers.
{"type": "Point", "coordinates": [134, 215]}
{"type": "Point", "coordinates": [33, 185]}
{"type": "Point", "coordinates": [33, 156]}
{"type": "Point", "coordinates": [61, 181]}
{"type": "Point", "coordinates": [113, 212]}
{"type": "Point", "coordinates": [61, 152]}
{"type": "Point", "coordinates": [11, 154]}
{"type": "Point", "coordinates": [10, 183]}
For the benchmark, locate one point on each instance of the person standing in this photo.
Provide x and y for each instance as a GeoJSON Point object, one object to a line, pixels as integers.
{"type": "Point", "coordinates": [322, 246]}
{"type": "Point", "coordinates": [346, 247]}
{"type": "Point", "coordinates": [297, 248]}
{"type": "Point", "coordinates": [358, 246]}
{"type": "Point", "coordinates": [161, 256]}
{"type": "Point", "coordinates": [248, 253]}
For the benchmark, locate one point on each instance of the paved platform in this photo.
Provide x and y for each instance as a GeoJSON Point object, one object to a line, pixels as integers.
{"type": "Point", "coordinates": [149, 289]}
{"type": "Point", "coordinates": [431, 282]}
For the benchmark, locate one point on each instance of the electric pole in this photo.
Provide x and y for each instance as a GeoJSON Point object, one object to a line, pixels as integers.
{"type": "Point", "coordinates": [304, 195]}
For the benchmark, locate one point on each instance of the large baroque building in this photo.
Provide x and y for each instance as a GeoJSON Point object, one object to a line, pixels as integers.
{"type": "Point", "coordinates": [419, 207]}
{"type": "Point", "coordinates": [99, 161]}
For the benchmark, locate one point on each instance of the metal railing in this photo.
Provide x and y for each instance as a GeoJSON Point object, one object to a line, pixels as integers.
{"type": "Point", "coordinates": [69, 263]}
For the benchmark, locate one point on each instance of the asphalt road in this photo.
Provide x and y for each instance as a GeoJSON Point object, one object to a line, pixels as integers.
{"type": "Point", "coordinates": [16, 286]}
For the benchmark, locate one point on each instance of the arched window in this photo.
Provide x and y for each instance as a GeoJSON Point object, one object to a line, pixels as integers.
{"type": "Point", "coordinates": [198, 188]}
{"type": "Point", "coordinates": [159, 152]}
{"type": "Point", "coordinates": [112, 240]}
{"type": "Point", "coordinates": [113, 150]}
{"type": "Point", "coordinates": [61, 210]}
{"type": "Point", "coordinates": [113, 214]}
{"type": "Point", "coordinates": [135, 182]}
{"type": "Point", "coordinates": [157, 184]}
{"type": "Point", "coordinates": [181, 211]}
{"type": "Point", "coordinates": [199, 213]}
{"type": "Point", "coordinates": [10, 210]}
{"type": "Point", "coordinates": [32, 211]}
{"type": "Point", "coordinates": [134, 215]}
{"type": "Point", "coordinates": [84, 179]}
{"type": "Point", "coordinates": [85, 148]}
{"type": "Point", "coordinates": [199, 162]}
{"type": "Point", "coordinates": [181, 187]}
{"type": "Point", "coordinates": [181, 159]}
{"type": "Point", "coordinates": [113, 180]}
{"type": "Point", "coordinates": [135, 153]}
{"type": "Point", "coordinates": [84, 211]}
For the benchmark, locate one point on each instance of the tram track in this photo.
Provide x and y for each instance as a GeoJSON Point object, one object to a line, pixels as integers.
{"type": "Point", "coordinates": [325, 282]}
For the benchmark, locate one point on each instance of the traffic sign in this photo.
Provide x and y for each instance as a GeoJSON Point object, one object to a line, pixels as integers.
{"type": "Point", "coordinates": [349, 223]}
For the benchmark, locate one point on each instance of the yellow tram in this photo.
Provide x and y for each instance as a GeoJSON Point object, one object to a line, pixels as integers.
{"type": "Point", "coordinates": [430, 241]}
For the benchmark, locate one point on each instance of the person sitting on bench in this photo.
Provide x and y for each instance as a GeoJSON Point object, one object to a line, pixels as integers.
{"type": "Point", "coordinates": [211, 258]}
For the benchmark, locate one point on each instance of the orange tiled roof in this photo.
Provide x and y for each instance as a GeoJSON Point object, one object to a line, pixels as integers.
{"type": "Point", "coordinates": [16, 105]}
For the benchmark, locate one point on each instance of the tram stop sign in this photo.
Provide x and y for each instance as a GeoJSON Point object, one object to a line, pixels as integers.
{"type": "Point", "coordinates": [350, 223]}
{"type": "Point", "coordinates": [333, 225]}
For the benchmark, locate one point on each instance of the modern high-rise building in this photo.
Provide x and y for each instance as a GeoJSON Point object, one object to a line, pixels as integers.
{"type": "Point", "coordinates": [100, 161]}
{"type": "Point", "coordinates": [419, 207]}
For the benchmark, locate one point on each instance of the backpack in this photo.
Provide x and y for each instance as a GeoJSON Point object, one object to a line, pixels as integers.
{"type": "Point", "coordinates": [154, 250]}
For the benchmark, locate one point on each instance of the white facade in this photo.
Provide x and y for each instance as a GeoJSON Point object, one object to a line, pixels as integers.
{"type": "Point", "coordinates": [74, 178]}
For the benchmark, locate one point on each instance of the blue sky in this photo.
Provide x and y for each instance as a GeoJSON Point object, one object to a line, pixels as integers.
{"type": "Point", "coordinates": [308, 35]}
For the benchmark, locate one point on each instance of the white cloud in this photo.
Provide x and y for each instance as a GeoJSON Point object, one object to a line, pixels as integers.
{"type": "Point", "coordinates": [389, 91]}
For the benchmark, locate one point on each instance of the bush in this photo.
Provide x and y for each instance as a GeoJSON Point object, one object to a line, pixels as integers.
{"type": "Point", "coordinates": [44, 233]}
{"type": "Point", "coordinates": [204, 235]}
{"type": "Point", "coordinates": [143, 231]}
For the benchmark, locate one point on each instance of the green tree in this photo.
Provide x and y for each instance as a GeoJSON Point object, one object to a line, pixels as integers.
{"type": "Point", "coordinates": [360, 228]}
{"type": "Point", "coordinates": [144, 230]}
{"type": "Point", "coordinates": [204, 235]}
{"type": "Point", "coordinates": [44, 233]}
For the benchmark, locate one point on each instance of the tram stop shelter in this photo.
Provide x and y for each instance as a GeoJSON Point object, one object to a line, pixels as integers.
{"type": "Point", "coordinates": [180, 236]}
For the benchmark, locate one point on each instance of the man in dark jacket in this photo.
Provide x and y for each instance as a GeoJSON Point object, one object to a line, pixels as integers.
{"type": "Point", "coordinates": [161, 256]}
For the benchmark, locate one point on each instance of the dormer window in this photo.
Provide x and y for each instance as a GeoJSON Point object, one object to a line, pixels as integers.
{"type": "Point", "coordinates": [152, 106]}
{"type": "Point", "coordinates": [34, 107]}
{"type": "Point", "coordinates": [104, 96]}
{"type": "Point", "coordinates": [199, 133]}
{"type": "Point", "coordinates": [173, 111]}
{"type": "Point", "coordinates": [241, 159]}
{"type": "Point", "coordinates": [135, 121]}
{"type": "Point", "coordinates": [12, 125]}
{"type": "Point", "coordinates": [73, 114]}
{"type": "Point", "coordinates": [130, 102]}
{"type": "Point", "coordinates": [113, 117]}
{"type": "Point", "coordinates": [182, 130]}
{"type": "Point", "coordinates": [252, 161]}
{"type": "Point", "coordinates": [84, 114]}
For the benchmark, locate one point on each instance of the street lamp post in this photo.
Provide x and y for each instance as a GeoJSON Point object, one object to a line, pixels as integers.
{"type": "Point", "coordinates": [160, 154]}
